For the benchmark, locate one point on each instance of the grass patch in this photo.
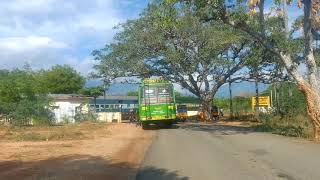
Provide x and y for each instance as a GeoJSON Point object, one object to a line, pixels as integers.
{"type": "Point", "coordinates": [77, 131]}
{"type": "Point", "coordinates": [298, 126]}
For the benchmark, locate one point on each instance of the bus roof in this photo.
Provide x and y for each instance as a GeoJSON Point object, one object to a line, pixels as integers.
{"type": "Point", "coordinates": [155, 81]}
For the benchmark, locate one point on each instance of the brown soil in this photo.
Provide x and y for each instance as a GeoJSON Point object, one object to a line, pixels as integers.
{"type": "Point", "coordinates": [236, 123]}
{"type": "Point", "coordinates": [114, 152]}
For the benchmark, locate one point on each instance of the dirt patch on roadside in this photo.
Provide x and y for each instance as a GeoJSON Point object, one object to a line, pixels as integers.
{"type": "Point", "coordinates": [236, 123]}
{"type": "Point", "coordinates": [113, 152]}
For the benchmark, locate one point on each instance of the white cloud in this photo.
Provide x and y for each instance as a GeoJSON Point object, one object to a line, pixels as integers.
{"type": "Point", "coordinates": [84, 66]}
{"type": "Point", "coordinates": [29, 43]}
{"type": "Point", "coordinates": [39, 52]}
{"type": "Point", "coordinates": [47, 32]}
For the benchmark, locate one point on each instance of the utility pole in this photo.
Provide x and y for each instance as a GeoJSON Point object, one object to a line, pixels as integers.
{"type": "Point", "coordinates": [104, 101]}
{"type": "Point", "coordinates": [231, 103]}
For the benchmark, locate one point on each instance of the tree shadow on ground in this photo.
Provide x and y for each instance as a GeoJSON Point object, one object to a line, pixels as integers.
{"type": "Point", "coordinates": [152, 173]}
{"type": "Point", "coordinates": [160, 126]}
{"type": "Point", "coordinates": [217, 129]}
{"type": "Point", "coordinates": [76, 167]}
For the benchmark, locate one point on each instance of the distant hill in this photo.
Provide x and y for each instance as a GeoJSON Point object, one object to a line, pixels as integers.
{"type": "Point", "coordinates": [238, 89]}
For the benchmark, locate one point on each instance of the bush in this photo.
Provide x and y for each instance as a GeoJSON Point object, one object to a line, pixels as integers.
{"type": "Point", "coordinates": [80, 117]}
{"type": "Point", "coordinates": [21, 99]}
{"type": "Point", "coordinates": [298, 126]}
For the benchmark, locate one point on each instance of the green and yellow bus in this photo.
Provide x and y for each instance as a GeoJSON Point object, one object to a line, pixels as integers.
{"type": "Point", "coordinates": [156, 102]}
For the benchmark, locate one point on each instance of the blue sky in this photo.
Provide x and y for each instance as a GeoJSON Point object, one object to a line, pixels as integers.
{"type": "Point", "coordinates": [47, 32]}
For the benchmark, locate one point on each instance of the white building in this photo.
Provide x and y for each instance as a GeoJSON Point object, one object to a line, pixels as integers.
{"type": "Point", "coordinates": [66, 106]}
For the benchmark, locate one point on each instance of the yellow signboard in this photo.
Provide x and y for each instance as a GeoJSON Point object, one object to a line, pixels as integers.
{"type": "Point", "coordinates": [263, 101]}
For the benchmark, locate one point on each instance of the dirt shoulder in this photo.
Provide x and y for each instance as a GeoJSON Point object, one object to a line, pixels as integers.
{"type": "Point", "coordinates": [112, 151]}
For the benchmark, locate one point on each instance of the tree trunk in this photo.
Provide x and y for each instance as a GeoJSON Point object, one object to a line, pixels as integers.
{"type": "Point", "coordinates": [206, 104]}
{"type": "Point", "coordinates": [311, 88]}
{"type": "Point", "coordinates": [313, 105]}
{"type": "Point", "coordinates": [261, 18]}
{"type": "Point", "coordinates": [285, 17]}
{"type": "Point", "coordinates": [310, 91]}
{"type": "Point", "coordinates": [256, 108]}
{"type": "Point", "coordinates": [230, 101]}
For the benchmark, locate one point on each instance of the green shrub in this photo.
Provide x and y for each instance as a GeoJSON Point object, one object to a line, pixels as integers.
{"type": "Point", "coordinates": [80, 117]}
{"type": "Point", "coordinates": [298, 126]}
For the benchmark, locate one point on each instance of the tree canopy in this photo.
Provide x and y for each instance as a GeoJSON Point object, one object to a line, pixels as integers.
{"type": "Point", "coordinates": [61, 79]}
{"type": "Point", "coordinates": [172, 43]}
{"type": "Point", "coordinates": [21, 98]}
{"type": "Point", "coordinates": [24, 92]}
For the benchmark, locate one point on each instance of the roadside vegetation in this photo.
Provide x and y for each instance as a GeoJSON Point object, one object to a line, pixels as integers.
{"type": "Point", "coordinates": [288, 115]}
{"type": "Point", "coordinates": [25, 94]}
{"type": "Point", "coordinates": [74, 131]}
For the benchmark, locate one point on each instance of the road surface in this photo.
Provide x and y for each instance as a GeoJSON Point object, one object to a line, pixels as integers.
{"type": "Point", "coordinates": [217, 152]}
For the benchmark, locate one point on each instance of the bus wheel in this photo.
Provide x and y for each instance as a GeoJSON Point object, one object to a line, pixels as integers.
{"type": "Point", "coordinates": [168, 125]}
{"type": "Point", "coordinates": [144, 126]}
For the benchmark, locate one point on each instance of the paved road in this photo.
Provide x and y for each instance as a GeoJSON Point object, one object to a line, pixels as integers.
{"type": "Point", "coordinates": [212, 152]}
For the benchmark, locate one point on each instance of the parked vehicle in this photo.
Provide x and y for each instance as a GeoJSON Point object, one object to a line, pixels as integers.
{"type": "Point", "coordinates": [182, 112]}
{"type": "Point", "coordinates": [216, 113]}
{"type": "Point", "coordinates": [156, 102]}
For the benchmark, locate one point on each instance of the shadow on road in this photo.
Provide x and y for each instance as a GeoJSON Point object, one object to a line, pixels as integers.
{"type": "Point", "coordinates": [159, 127]}
{"type": "Point", "coordinates": [217, 128]}
{"type": "Point", "coordinates": [151, 173]}
{"type": "Point", "coordinates": [78, 167]}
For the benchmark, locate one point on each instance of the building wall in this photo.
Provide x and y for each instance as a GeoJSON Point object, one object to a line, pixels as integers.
{"type": "Point", "coordinates": [65, 110]}
{"type": "Point", "coordinates": [108, 110]}
{"type": "Point", "coordinates": [109, 117]}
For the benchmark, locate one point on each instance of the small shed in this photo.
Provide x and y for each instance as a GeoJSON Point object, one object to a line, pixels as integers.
{"type": "Point", "coordinates": [66, 106]}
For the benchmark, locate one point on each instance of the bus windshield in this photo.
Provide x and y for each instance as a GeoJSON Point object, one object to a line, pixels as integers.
{"type": "Point", "coordinates": [156, 94]}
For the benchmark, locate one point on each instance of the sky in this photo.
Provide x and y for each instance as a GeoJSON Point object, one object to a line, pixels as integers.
{"type": "Point", "coordinates": [43, 33]}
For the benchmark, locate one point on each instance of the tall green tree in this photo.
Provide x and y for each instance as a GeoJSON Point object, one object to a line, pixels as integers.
{"type": "Point", "coordinates": [61, 80]}
{"type": "Point", "coordinates": [276, 42]}
{"type": "Point", "coordinates": [21, 98]}
{"type": "Point", "coordinates": [169, 41]}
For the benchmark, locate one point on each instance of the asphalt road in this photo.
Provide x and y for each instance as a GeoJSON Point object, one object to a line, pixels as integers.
{"type": "Point", "coordinates": [212, 152]}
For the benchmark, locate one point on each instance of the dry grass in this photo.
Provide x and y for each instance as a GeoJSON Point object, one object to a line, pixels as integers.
{"type": "Point", "coordinates": [298, 126]}
{"type": "Point", "coordinates": [102, 151]}
{"type": "Point", "coordinates": [78, 131]}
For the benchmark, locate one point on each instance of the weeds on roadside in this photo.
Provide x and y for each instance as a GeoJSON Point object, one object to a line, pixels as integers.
{"type": "Point", "coordinates": [76, 131]}
{"type": "Point", "coordinates": [298, 126]}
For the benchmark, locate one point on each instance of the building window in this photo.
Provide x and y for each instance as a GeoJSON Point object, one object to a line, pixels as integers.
{"type": "Point", "coordinates": [107, 106]}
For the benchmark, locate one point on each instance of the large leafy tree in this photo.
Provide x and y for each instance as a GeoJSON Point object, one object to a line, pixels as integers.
{"type": "Point", "coordinates": [277, 42]}
{"type": "Point", "coordinates": [21, 98]}
{"type": "Point", "coordinates": [169, 41]}
{"type": "Point", "coordinates": [61, 80]}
